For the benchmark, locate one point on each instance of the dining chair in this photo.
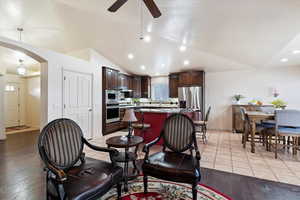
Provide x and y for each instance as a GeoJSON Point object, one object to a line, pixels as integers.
{"type": "Point", "coordinates": [71, 175]}
{"type": "Point", "coordinates": [177, 161]}
{"type": "Point", "coordinates": [287, 124]}
{"type": "Point", "coordinates": [268, 126]}
{"type": "Point", "coordinates": [201, 125]}
{"type": "Point", "coordinates": [247, 129]}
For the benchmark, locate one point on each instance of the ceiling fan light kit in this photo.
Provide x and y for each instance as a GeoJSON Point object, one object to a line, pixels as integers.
{"type": "Point", "coordinates": [150, 4]}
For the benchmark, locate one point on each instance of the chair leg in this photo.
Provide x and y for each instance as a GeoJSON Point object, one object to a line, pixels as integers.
{"type": "Point", "coordinates": [276, 138]}
{"type": "Point", "coordinates": [294, 145]}
{"type": "Point", "coordinates": [119, 190]}
{"type": "Point", "coordinates": [145, 184]}
{"type": "Point", "coordinates": [245, 135]}
{"type": "Point", "coordinates": [204, 135]}
{"type": "Point", "coordinates": [194, 190]}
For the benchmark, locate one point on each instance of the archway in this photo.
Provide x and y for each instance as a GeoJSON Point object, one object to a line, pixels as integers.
{"type": "Point", "coordinates": [27, 50]}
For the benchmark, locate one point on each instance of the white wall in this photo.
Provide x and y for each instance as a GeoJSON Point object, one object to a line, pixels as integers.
{"type": "Point", "coordinates": [254, 84]}
{"type": "Point", "coordinates": [33, 101]}
{"type": "Point", "coordinates": [2, 133]}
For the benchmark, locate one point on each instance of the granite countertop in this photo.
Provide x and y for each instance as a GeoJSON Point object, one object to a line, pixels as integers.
{"type": "Point", "coordinates": [151, 106]}
{"type": "Point", "coordinates": [161, 110]}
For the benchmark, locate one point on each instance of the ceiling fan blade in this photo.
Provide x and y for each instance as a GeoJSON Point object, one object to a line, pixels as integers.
{"type": "Point", "coordinates": [118, 4]}
{"type": "Point", "coordinates": [152, 7]}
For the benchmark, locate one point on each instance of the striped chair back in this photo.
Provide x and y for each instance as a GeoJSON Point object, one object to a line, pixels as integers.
{"type": "Point", "coordinates": [179, 132]}
{"type": "Point", "coordinates": [61, 143]}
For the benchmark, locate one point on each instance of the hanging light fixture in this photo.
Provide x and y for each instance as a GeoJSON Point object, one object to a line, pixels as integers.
{"type": "Point", "coordinates": [21, 69]}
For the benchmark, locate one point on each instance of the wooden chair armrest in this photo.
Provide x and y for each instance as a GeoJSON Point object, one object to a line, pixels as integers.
{"type": "Point", "coordinates": [60, 175]}
{"type": "Point", "coordinates": [148, 146]}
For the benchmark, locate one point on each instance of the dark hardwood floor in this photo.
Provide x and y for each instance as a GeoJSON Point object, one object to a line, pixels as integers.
{"type": "Point", "coordinates": [22, 177]}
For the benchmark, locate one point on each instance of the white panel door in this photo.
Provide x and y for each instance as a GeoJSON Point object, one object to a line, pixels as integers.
{"type": "Point", "coordinates": [77, 97]}
{"type": "Point", "coordinates": [12, 104]}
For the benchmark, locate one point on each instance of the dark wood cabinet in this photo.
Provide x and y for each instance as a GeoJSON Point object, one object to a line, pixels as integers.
{"type": "Point", "coordinates": [125, 81]}
{"type": "Point", "coordinates": [110, 79]}
{"type": "Point", "coordinates": [173, 85]}
{"type": "Point", "coordinates": [191, 78]}
{"type": "Point", "coordinates": [114, 80]}
{"type": "Point", "coordinates": [136, 86]}
{"type": "Point", "coordinates": [145, 87]}
{"type": "Point", "coordinates": [185, 79]}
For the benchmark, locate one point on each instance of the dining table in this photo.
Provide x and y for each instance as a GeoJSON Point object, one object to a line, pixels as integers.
{"type": "Point", "coordinates": [256, 117]}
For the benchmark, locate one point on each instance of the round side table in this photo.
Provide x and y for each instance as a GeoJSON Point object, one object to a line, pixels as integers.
{"type": "Point", "coordinates": [127, 156]}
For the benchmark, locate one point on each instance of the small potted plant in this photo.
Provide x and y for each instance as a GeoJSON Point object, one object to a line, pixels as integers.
{"type": "Point", "coordinates": [136, 101]}
{"type": "Point", "coordinates": [279, 104]}
{"type": "Point", "coordinates": [238, 98]}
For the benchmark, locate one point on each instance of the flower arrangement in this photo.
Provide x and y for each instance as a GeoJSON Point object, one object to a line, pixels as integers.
{"type": "Point", "coordinates": [278, 103]}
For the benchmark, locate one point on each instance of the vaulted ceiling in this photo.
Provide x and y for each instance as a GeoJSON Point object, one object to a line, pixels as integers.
{"type": "Point", "coordinates": [219, 35]}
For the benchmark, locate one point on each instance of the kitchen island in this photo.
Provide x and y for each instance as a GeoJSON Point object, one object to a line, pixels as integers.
{"type": "Point", "coordinates": [156, 119]}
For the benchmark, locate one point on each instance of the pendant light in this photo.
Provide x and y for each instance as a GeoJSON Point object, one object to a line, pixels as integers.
{"type": "Point", "coordinates": [21, 68]}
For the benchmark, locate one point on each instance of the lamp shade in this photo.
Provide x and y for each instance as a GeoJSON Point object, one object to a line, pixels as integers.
{"type": "Point", "coordinates": [129, 116]}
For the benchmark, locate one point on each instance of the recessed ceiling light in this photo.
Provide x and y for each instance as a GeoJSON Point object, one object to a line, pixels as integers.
{"type": "Point", "coordinates": [143, 67]}
{"type": "Point", "coordinates": [12, 9]}
{"type": "Point", "coordinates": [163, 65]}
{"type": "Point", "coordinates": [182, 48]}
{"type": "Point", "coordinates": [149, 28]}
{"type": "Point", "coordinates": [296, 51]}
{"type": "Point", "coordinates": [130, 56]}
{"type": "Point", "coordinates": [284, 60]}
{"type": "Point", "coordinates": [186, 62]}
{"type": "Point", "coordinates": [147, 38]}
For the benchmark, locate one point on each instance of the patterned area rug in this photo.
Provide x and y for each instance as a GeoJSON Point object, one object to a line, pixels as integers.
{"type": "Point", "coordinates": [164, 190]}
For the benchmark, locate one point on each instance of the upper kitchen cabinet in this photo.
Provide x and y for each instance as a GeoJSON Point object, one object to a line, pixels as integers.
{"type": "Point", "coordinates": [173, 85]}
{"type": "Point", "coordinates": [136, 86]}
{"type": "Point", "coordinates": [185, 79]}
{"type": "Point", "coordinates": [191, 78]}
{"type": "Point", "coordinates": [110, 78]}
{"type": "Point", "coordinates": [145, 87]}
{"type": "Point", "coordinates": [125, 82]}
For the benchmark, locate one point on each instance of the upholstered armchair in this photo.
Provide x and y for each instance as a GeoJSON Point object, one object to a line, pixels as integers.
{"type": "Point", "coordinates": [71, 175]}
{"type": "Point", "coordinates": [177, 161]}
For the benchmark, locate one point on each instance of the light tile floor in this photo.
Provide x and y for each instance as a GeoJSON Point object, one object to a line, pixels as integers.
{"type": "Point", "coordinates": [224, 152]}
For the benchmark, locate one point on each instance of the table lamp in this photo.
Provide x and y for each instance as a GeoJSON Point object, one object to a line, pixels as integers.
{"type": "Point", "coordinates": [129, 117]}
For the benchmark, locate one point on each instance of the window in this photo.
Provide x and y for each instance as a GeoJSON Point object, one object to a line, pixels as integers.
{"type": "Point", "coordinates": [10, 88]}
{"type": "Point", "coordinates": [160, 92]}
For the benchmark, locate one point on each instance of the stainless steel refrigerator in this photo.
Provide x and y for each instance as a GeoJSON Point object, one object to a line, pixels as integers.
{"type": "Point", "coordinates": [191, 98]}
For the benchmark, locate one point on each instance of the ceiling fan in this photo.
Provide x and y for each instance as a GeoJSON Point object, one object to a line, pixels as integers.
{"type": "Point", "coordinates": [152, 7]}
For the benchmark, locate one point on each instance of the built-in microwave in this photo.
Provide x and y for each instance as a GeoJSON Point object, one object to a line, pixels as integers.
{"type": "Point", "coordinates": [124, 94]}
{"type": "Point", "coordinates": [112, 96]}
